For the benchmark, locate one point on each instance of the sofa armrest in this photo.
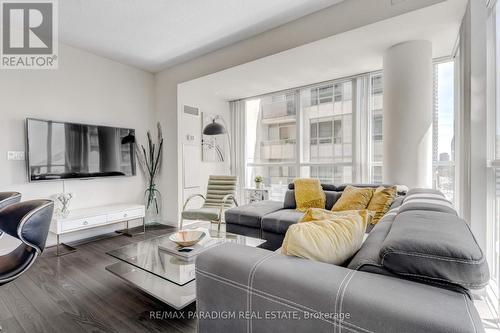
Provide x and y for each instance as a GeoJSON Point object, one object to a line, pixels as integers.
{"type": "Point", "coordinates": [242, 289]}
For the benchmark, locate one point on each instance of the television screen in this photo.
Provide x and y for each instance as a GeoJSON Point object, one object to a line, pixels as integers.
{"type": "Point", "coordinates": [58, 150]}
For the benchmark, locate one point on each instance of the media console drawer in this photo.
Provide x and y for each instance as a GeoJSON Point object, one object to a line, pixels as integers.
{"type": "Point", "coordinates": [128, 214]}
{"type": "Point", "coordinates": [83, 223]}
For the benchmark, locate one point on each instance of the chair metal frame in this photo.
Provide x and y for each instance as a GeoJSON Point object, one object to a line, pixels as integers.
{"type": "Point", "coordinates": [221, 211]}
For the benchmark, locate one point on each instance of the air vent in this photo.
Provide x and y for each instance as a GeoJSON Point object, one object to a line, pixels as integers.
{"type": "Point", "coordinates": [191, 110]}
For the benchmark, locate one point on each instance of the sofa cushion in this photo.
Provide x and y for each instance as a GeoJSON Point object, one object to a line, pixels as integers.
{"type": "Point", "coordinates": [381, 201]}
{"type": "Point", "coordinates": [436, 247]}
{"type": "Point", "coordinates": [278, 222]}
{"type": "Point", "coordinates": [331, 199]}
{"type": "Point", "coordinates": [251, 215]}
{"type": "Point", "coordinates": [354, 198]}
{"type": "Point", "coordinates": [330, 237]}
{"type": "Point", "coordinates": [308, 194]}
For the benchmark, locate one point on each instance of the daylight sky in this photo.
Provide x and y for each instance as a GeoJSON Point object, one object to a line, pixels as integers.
{"type": "Point", "coordinates": [446, 107]}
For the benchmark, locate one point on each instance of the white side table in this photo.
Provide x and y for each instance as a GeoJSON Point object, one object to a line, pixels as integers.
{"type": "Point", "coordinates": [253, 194]}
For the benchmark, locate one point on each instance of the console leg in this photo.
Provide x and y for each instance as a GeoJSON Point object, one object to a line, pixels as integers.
{"type": "Point", "coordinates": [131, 232]}
{"type": "Point", "coordinates": [68, 249]}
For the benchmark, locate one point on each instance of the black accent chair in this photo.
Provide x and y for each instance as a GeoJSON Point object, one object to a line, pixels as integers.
{"type": "Point", "coordinates": [29, 222]}
{"type": "Point", "coordinates": [8, 198]}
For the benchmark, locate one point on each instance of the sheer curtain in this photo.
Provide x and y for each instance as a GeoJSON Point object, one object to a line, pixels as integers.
{"type": "Point", "coordinates": [237, 111]}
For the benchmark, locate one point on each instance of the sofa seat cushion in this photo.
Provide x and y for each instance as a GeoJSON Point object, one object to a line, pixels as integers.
{"type": "Point", "coordinates": [278, 222]}
{"type": "Point", "coordinates": [252, 214]}
{"type": "Point", "coordinates": [436, 247]}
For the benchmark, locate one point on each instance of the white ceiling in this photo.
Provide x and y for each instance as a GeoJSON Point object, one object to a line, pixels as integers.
{"type": "Point", "coordinates": [350, 53]}
{"type": "Point", "coordinates": [156, 34]}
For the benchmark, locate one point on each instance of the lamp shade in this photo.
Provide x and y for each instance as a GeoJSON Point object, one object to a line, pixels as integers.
{"type": "Point", "coordinates": [129, 138]}
{"type": "Point", "coordinates": [214, 129]}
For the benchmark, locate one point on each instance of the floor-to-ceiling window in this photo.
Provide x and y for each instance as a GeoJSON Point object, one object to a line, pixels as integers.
{"type": "Point", "coordinates": [271, 140]}
{"type": "Point", "coordinates": [443, 125]}
{"type": "Point", "coordinates": [333, 131]}
{"type": "Point", "coordinates": [326, 113]}
{"type": "Point", "coordinates": [375, 109]}
{"type": "Point", "coordinates": [493, 225]}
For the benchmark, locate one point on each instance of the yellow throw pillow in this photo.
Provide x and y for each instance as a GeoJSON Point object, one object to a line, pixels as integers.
{"type": "Point", "coordinates": [332, 240]}
{"type": "Point", "coordinates": [353, 198]}
{"type": "Point", "coordinates": [318, 214]}
{"type": "Point", "coordinates": [308, 194]}
{"type": "Point", "coordinates": [381, 201]}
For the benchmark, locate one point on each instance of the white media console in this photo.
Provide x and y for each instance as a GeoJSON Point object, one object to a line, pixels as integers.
{"type": "Point", "coordinates": [87, 218]}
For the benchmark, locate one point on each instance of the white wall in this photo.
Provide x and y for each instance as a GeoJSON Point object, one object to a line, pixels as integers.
{"type": "Point", "coordinates": [87, 89]}
{"type": "Point", "coordinates": [343, 17]}
{"type": "Point", "coordinates": [192, 95]}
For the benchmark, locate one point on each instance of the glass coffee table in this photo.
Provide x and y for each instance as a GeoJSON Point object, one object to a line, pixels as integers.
{"type": "Point", "coordinates": [163, 275]}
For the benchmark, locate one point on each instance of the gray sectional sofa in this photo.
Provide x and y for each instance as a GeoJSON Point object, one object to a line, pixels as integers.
{"type": "Point", "coordinates": [414, 273]}
{"type": "Point", "coordinates": [270, 220]}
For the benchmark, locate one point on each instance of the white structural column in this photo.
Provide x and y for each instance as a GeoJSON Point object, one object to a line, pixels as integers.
{"type": "Point", "coordinates": [408, 91]}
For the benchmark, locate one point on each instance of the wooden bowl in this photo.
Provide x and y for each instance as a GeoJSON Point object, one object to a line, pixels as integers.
{"type": "Point", "coordinates": [185, 238]}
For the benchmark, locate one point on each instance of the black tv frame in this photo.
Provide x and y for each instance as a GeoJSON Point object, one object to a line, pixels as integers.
{"type": "Point", "coordinates": [27, 154]}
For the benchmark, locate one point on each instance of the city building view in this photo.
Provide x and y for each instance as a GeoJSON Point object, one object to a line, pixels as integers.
{"type": "Point", "coordinates": [331, 123]}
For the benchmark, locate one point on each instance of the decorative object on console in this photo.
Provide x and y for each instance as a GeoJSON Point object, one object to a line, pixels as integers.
{"type": "Point", "coordinates": [258, 182]}
{"type": "Point", "coordinates": [150, 162]}
{"type": "Point", "coordinates": [213, 144]}
{"type": "Point", "coordinates": [64, 199]}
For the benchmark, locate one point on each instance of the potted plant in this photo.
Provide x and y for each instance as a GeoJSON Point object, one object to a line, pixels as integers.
{"type": "Point", "coordinates": [258, 182]}
{"type": "Point", "coordinates": [150, 161]}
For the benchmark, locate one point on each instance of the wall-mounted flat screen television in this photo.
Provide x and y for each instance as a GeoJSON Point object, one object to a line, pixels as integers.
{"type": "Point", "coordinates": [59, 150]}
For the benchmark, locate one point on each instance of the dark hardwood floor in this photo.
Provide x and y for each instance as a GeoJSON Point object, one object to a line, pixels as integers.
{"type": "Point", "coordinates": [74, 293]}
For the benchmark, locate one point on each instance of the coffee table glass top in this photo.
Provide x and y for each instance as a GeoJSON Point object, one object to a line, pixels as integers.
{"type": "Point", "coordinates": [148, 256]}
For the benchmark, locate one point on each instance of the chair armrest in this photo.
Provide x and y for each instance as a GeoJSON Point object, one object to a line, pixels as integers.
{"type": "Point", "coordinates": [28, 221]}
{"type": "Point", "coordinates": [8, 198]}
{"type": "Point", "coordinates": [192, 196]}
{"type": "Point", "coordinates": [223, 204]}
{"type": "Point", "coordinates": [250, 288]}
{"type": "Point", "coordinates": [228, 197]}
